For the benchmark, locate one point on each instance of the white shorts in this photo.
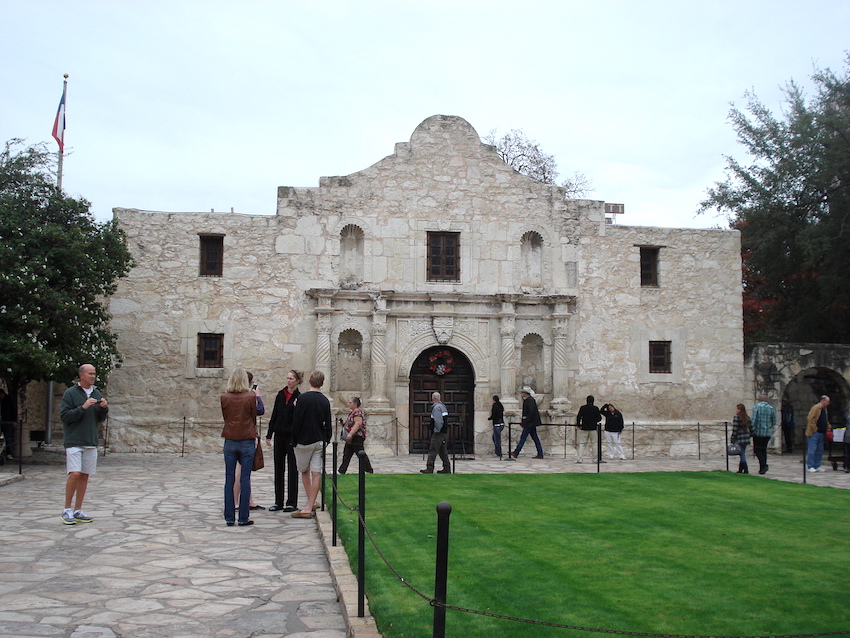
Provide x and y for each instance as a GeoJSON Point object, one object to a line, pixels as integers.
{"type": "Point", "coordinates": [309, 457]}
{"type": "Point", "coordinates": [81, 459]}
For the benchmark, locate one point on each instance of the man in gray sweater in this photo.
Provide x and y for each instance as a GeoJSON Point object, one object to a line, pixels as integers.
{"type": "Point", "coordinates": [82, 408]}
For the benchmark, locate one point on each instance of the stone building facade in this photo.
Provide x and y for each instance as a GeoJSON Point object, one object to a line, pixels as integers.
{"type": "Point", "coordinates": [437, 268]}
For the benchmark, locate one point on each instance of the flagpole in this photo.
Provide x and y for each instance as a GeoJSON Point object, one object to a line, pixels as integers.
{"type": "Point", "coordinates": [62, 145]}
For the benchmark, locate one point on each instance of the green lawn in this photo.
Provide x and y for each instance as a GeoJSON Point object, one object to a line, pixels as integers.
{"type": "Point", "coordinates": [685, 553]}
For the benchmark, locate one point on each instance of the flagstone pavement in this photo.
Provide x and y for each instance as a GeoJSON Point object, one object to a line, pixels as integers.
{"type": "Point", "coordinates": [158, 560]}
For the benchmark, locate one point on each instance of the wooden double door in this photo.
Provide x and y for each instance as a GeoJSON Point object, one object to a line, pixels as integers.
{"type": "Point", "coordinates": [447, 371]}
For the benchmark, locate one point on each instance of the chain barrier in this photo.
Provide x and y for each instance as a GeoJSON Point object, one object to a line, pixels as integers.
{"type": "Point", "coordinates": [433, 602]}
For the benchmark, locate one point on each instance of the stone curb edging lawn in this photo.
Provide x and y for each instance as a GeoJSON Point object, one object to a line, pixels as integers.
{"type": "Point", "coordinates": [345, 582]}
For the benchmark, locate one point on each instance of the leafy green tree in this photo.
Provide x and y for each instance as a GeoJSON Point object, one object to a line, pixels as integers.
{"type": "Point", "coordinates": [791, 202]}
{"type": "Point", "coordinates": [526, 157]}
{"type": "Point", "coordinates": [57, 267]}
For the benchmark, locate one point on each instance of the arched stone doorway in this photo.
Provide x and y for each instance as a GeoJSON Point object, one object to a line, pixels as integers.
{"type": "Point", "coordinates": [806, 388]}
{"type": "Point", "coordinates": [447, 371]}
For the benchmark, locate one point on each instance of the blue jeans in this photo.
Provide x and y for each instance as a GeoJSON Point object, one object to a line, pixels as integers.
{"type": "Point", "coordinates": [241, 452]}
{"type": "Point", "coordinates": [743, 453]}
{"type": "Point", "coordinates": [815, 455]}
{"type": "Point", "coordinates": [497, 438]}
{"type": "Point", "coordinates": [534, 437]}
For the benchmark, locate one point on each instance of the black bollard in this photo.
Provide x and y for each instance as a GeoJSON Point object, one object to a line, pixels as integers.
{"type": "Point", "coordinates": [598, 447]}
{"type": "Point", "coordinates": [441, 574]}
{"type": "Point", "coordinates": [333, 502]}
{"type": "Point", "coordinates": [361, 539]}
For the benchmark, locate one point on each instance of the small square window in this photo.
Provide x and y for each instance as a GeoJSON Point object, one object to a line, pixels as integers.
{"type": "Point", "coordinates": [212, 255]}
{"type": "Point", "coordinates": [659, 357]}
{"type": "Point", "coordinates": [443, 256]}
{"type": "Point", "coordinates": [649, 266]}
{"type": "Point", "coordinates": [210, 350]}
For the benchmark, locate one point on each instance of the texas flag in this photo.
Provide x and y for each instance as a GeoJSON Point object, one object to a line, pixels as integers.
{"type": "Point", "coordinates": [59, 123]}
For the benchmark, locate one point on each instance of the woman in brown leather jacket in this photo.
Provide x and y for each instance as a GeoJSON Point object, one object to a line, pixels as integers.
{"type": "Point", "coordinates": [239, 409]}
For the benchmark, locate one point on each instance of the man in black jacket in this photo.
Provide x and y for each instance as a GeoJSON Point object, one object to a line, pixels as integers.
{"type": "Point", "coordinates": [530, 421]}
{"type": "Point", "coordinates": [588, 421]}
{"type": "Point", "coordinates": [311, 431]}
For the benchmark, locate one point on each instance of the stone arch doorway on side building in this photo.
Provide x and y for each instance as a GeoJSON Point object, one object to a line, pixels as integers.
{"type": "Point", "coordinates": [806, 388]}
{"type": "Point", "coordinates": [447, 371]}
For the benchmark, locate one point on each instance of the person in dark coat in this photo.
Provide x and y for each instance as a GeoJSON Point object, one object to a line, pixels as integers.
{"type": "Point", "coordinates": [280, 429]}
{"type": "Point", "coordinates": [530, 421]}
{"type": "Point", "coordinates": [588, 419]}
{"type": "Point", "coordinates": [613, 428]}
{"type": "Point", "coordinates": [497, 416]}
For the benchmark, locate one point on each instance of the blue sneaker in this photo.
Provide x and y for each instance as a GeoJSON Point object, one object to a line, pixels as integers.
{"type": "Point", "coordinates": [68, 518]}
{"type": "Point", "coordinates": [82, 518]}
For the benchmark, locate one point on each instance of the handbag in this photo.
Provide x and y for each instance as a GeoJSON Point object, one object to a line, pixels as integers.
{"type": "Point", "coordinates": [733, 449]}
{"type": "Point", "coordinates": [259, 462]}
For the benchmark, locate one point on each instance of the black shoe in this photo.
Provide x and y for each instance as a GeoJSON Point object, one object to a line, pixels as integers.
{"type": "Point", "coordinates": [764, 469]}
{"type": "Point", "coordinates": [242, 524]}
{"type": "Point", "coordinates": [275, 507]}
{"type": "Point", "coordinates": [230, 523]}
{"type": "Point", "coordinates": [257, 507]}
{"type": "Point", "coordinates": [426, 471]}
{"type": "Point", "coordinates": [289, 508]}
{"type": "Point", "coordinates": [444, 471]}
{"type": "Point", "coordinates": [341, 471]}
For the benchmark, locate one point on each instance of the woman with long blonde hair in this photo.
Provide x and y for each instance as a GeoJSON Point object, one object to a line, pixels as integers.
{"type": "Point", "coordinates": [239, 409]}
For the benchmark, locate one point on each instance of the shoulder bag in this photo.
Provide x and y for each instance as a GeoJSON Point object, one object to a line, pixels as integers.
{"type": "Point", "coordinates": [259, 462]}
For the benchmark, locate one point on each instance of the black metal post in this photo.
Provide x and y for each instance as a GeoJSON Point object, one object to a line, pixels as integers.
{"type": "Point", "coordinates": [699, 444]}
{"type": "Point", "coordinates": [451, 433]}
{"type": "Point", "coordinates": [324, 473]}
{"type": "Point", "coordinates": [598, 447]}
{"type": "Point", "coordinates": [805, 461]}
{"type": "Point", "coordinates": [566, 425]}
{"type": "Point", "coordinates": [726, 439]}
{"type": "Point", "coordinates": [510, 449]}
{"type": "Point", "coordinates": [633, 441]}
{"type": "Point", "coordinates": [183, 442]}
{"type": "Point", "coordinates": [20, 446]}
{"type": "Point", "coordinates": [361, 540]}
{"type": "Point", "coordinates": [106, 435]}
{"type": "Point", "coordinates": [333, 502]}
{"type": "Point", "coordinates": [444, 510]}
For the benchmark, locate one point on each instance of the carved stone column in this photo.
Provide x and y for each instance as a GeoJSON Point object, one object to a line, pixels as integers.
{"type": "Point", "coordinates": [379, 354]}
{"type": "Point", "coordinates": [561, 359]}
{"type": "Point", "coordinates": [324, 308]}
{"type": "Point", "coordinates": [508, 363]}
{"type": "Point", "coordinates": [562, 333]}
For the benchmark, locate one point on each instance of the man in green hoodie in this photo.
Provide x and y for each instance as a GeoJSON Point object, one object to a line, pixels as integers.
{"type": "Point", "coordinates": [82, 408]}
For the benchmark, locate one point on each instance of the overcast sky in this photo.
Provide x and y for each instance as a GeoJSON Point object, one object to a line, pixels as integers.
{"type": "Point", "coordinates": [192, 106]}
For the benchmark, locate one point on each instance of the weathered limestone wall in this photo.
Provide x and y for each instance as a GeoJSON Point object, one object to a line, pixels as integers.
{"type": "Point", "coordinates": [350, 255]}
{"type": "Point", "coordinates": [696, 306]}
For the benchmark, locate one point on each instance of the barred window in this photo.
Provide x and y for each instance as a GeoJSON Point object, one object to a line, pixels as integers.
{"type": "Point", "coordinates": [649, 266]}
{"type": "Point", "coordinates": [210, 350]}
{"type": "Point", "coordinates": [443, 256]}
{"type": "Point", "coordinates": [659, 357]}
{"type": "Point", "coordinates": [212, 255]}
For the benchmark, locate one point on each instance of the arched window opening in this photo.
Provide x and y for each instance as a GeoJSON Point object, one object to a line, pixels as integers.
{"type": "Point", "coordinates": [532, 259]}
{"type": "Point", "coordinates": [349, 368]}
{"type": "Point", "coordinates": [351, 240]}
